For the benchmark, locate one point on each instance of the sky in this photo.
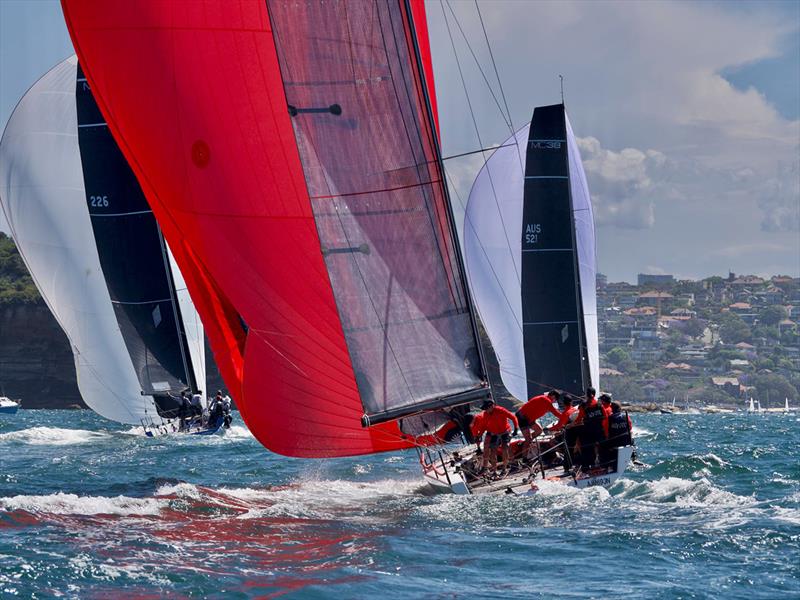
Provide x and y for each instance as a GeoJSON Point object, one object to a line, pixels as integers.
{"type": "Point", "coordinates": [687, 114]}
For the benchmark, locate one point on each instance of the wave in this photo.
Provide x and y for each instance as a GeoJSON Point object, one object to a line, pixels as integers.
{"type": "Point", "coordinates": [681, 492]}
{"type": "Point", "coordinates": [313, 498]}
{"type": "Point", "coordinates": [53, 436]}
{"type": "Point", "coordinates": [72, 504]}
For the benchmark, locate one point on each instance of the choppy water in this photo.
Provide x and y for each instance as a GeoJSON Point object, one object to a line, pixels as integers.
{"type": "Point", "coordinates": [90, 510]}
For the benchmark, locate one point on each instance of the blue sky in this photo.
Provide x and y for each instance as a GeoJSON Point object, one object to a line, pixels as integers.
{"type": "Point", "coordinates": [688, 115]}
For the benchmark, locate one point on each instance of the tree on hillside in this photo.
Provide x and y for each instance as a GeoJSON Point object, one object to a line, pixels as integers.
{"type": "Point", "coordinates": [621, 359]}
{"type": "Point", "coordinates": [732, 329]}
{"type": "Point", "coordinates": [774, 387]}
{"type": "Point", "coordinates": [772, 315]}
{"type": "Point", "coordinates": [694, 328]}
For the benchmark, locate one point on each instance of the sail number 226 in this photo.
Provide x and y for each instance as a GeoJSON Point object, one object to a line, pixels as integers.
{"type": "Point", "coordinates": [98, 201]}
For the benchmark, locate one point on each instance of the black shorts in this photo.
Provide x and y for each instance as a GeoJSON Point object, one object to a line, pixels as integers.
{"type": "Point", "coordinates": [499, 439]}
{"type": "Point", "coordinates": [523, 420]}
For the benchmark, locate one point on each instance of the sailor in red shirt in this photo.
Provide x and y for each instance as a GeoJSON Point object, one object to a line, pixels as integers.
{"type": "Point", "coordinates": [605, 402]}
{"type": "Point", "coordinates": [592, 433]}
{"type": "Point", "coordinates": [495, 420]}
{"type": "Point", "coordinates": [534, 409]}
{"type": "Point", "coordinates": [567, 415]}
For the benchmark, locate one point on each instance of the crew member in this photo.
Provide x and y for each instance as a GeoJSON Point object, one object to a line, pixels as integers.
{"type": "Point", "coordinates": [534, 409]}
{"type": "Point", "coordinates": [183, 410]}
{"type": "Point", "coordinates": [592, 432]}
{"type": "Point", "coordinates": [477, 428]}
{"type": "Point", "coordinates": [226, 410]}
{"type": "Point", "coordinates": [605, 403]}
{"type": "Point", "coordinates": [216, 410]}
{"type": "Point", "coordinates": [618, 432]}
{"type": "Point", "coordinates": [197, 404]}
{"type": "Point", "coordinates": [568, 415]}
{"type": "Point", "coordinates": [496, 420]}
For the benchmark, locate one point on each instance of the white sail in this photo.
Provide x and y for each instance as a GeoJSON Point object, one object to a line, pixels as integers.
{"type": "Point", "coordinates": [44, 200]}
{"type": "Point", "coordinates": [587, 252]}
{"type": "Point", "coordinates": [752, 406]}
{"type": "Point", "coordinates": [493, 250]}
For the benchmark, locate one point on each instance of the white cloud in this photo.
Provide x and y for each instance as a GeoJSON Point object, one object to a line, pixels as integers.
{"type": "Point", "coordinates": [679, 161]}
{"type": "Point", "coordinates": [621, 183]}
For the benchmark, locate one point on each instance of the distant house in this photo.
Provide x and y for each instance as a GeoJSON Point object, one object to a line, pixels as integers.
{"type": "Point", "coordinates": [786, 325]}
{"type": "Point", "coordinates": [744, 346]}
{"type": "Point", "coordinates": [642, 311]}
{"type": "Point", "coordinates": [654, 298]}
{"type": "Point", "coordinates": [739, 363]}
{"type": "Point", "coordinates": [741, 307]}
{"type": "Point", "coordinates": [729, 385]}
{"type": "Point", "coordinates": [747, 280]}
{"type": "Point", "coordinates": [683, 312]}
{"type": "Point", "coordinates": [607, 372]}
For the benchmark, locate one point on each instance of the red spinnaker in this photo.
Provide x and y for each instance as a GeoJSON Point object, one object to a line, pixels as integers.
{"type": "Point", "coordinates": [193, 94]}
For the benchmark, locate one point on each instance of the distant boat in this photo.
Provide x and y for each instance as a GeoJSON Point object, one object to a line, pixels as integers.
{"type": "Point", "coordinates": [8, 406]}
{"type": "Point", "coordinates": [752, 407]}
{"type": "Point", "coordinates": [94, 250]}
{"type": "Point", "coordinates": [786, 405]}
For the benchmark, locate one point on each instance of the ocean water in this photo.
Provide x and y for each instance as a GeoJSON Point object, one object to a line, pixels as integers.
{"type": "Point", "coordinates": [89, 509]}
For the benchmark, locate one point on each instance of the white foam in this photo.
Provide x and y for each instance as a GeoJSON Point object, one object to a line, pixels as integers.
{"type": "Point", "coordinates": [53, 436]}
{"type": "Point", "coordinates": [72, 504]}
{"type": "Point", "coordinates": [683, 492]}
{"type": "Point", "coordinates": [237, 432]}
{"type": "Point", "coordinates": [642, 432]}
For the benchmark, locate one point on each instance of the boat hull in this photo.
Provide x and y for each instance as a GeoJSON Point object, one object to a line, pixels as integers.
{"type": "Point", "coordinates": [443, 475]}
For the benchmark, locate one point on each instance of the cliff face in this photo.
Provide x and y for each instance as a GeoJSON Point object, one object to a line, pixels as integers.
{"type": "Point", "coordinates": [36, 363]}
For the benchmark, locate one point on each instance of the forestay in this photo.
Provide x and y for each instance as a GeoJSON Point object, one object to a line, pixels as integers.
{"type": "Point", "coordinates": [530, 255]}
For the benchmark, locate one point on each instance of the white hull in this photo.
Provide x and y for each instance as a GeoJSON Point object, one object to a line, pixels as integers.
{"type": "Point", "coordinates": [445, 474]}
{"type": "Point", "coordinates": [8, 406]}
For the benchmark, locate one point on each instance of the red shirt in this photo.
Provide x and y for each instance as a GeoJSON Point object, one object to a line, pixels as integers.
{"type": "Point", "coordinates": [606, 409]}
{"type": "Point", "coordinates": [563, 421]}
{"type": "Point", "coordinates": [496, 423]}
{"type": "Point", "coordinates": [478, 425]}
{"type": "Point", "coordinates": [582, 412]}
{"type": "Point", "coordinates": [536, 407]}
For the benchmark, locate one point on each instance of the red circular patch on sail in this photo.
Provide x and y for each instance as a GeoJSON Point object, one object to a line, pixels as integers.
{"type": "Point", "coordinates": [201, 153]}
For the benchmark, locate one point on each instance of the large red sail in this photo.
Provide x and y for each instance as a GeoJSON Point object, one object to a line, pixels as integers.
{"type": "Point", "coordinates": [200, 98]}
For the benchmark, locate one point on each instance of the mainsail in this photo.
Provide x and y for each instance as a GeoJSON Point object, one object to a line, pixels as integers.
{"type": "Point", "coordinates": [300, 137]}
{"type": "Point", "coordinates": [95, 252]}
{"type": "Point", "coordinates": [530, 255]}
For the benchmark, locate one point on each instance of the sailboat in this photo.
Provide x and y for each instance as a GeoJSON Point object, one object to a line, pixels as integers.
{"type": "Point", "coordinates": [8, 406]}
{"type": "Point", "coordinates": [786, 405]}
{"type": "Point", "coordinates": [530, 254]}
{"type": "Point", "coordinates": [95, 252]}
{"type": "Point", "coordinates": [334, 295]}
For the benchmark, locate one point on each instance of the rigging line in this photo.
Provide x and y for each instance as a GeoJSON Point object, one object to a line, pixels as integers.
{"type": "Point", "coordinates": [507, 121]}
{"type": "Point", "coordinates": [480, 143]}
{"type": "Point", "coordinates": [478, 151]}
{"type": "Point", "coordinates": [499, 81]}
{"type": "Point", "coordinates": [494, 64]}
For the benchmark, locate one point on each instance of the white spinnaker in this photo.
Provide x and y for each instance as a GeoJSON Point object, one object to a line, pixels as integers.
{"type": "Point", "coordinates": [493, 254]}
{"type": "Point", "coordinates": [44, 200]}
{"type": "Point", "coordinates": [192, 326]}
{"type": "Point", "coordinates": [587, 252]}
